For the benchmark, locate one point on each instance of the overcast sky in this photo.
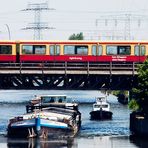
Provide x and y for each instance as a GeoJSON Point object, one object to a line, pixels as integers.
{"type": "Point", "coordinates": [97, 19]}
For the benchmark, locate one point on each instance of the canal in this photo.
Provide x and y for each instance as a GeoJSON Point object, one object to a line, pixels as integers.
{"type": "Point", "coordinates": [93, 134]}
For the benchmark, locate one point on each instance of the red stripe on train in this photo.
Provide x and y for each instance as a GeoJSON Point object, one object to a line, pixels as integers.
{"type": "Point", "coordinates": [116, 58]}
{"type": "Point", "coordinates": [7, 58]}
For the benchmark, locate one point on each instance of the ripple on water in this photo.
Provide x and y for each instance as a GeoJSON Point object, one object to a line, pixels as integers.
{"type": "Point", "coordinates": [118, 126]}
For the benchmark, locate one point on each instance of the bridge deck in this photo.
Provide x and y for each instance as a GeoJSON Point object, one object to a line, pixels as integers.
{"type": "Point", "coordinates": [90, 76]}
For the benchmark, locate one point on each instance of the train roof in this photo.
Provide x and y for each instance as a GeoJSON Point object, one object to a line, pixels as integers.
{"type": "Point", "coordinates": [76, 41]}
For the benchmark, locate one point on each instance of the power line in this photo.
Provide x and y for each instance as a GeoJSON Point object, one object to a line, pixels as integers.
{"type": "Point", "coordinates": [37, 25]}
{"type": "Point", "coordinates": [126, 19]}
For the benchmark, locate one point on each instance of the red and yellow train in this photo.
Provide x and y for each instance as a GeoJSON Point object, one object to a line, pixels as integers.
{"type": "Point", "coordinates": [73, 51]}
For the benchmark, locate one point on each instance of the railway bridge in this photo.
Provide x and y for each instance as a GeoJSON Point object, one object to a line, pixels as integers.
{"type": "Point", "coordinates": [70, 76]}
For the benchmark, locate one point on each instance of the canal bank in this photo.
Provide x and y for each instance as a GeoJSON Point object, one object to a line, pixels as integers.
{"type": "Point", "coordinates": [139, 103]}
{"type": "Point", "coordinates": [138, 124]}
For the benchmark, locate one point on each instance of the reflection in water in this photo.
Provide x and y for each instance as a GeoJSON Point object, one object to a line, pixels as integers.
{"type": "Point", "coordinates": [80, 142]}
{"type": "Point", "coordinates": [39, 143]}
{"type": "Point", "coordinates": [103, 142]}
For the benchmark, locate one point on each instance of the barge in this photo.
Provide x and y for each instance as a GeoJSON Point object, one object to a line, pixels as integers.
{"type": "Point", "coordinates": [48, 116]}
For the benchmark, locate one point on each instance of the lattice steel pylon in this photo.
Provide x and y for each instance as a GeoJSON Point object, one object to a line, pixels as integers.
{"type": "Point", "coordinates": [38, 25]}
{"type": "Point", "coordinates": [126, 19]}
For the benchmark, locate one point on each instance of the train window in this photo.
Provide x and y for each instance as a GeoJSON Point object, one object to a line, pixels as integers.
{"type": "Point", "coordinates": [143, 50]}
{"type": "Point", "coordinates": [39, 49]}
{"type": "Point", "coordinates": [124, 50]}
{"type": "Point", "coordinates": [94, 50]}
{"type": "Point", "coordinates": [137, 50]}
{"type": "Point", "coordinates": [5, 49]}
{"type": "Point", "coordinates": [75, 49]}
{"type": "Point", "coordinates": [81, 50]}
{"type": "Point", "coordinates": [27, 49]}
{"type": "Point", "coordinates": [118, 50]}
{"type": "Point", "coordinates": [100, 50]}
{"type": "Point", "coordinates": [57, 50]}
{"type": "Point", "coordinates": [111, 50]}
{"type": "Point", "coordinates": [34, 49]}
{"type": "Point", "coordinates": [52, 50]}
{"type": "Point", "coordinates": [69, 49]}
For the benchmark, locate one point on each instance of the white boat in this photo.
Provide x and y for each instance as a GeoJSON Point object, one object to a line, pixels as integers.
{"type": "Point", "coordinates": [101, 109]}
{"type": "Point", "coordinates": [46, 121]}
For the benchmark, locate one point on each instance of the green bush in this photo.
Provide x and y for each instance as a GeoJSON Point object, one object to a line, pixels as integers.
{"type": "Point", "coordinates": [133, 105]}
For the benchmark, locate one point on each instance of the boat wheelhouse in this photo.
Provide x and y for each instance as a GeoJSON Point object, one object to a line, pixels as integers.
{"type": "Point", "coordinates": [43, 101]}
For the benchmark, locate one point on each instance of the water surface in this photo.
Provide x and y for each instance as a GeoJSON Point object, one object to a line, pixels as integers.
{"type": "Point", "coordinates": [93, 134]}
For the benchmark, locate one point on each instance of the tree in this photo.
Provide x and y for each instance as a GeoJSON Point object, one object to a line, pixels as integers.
{"type": "Point", "coordinates": [140, 93]}
{"type": "Point", "coordinates": [78, 36]}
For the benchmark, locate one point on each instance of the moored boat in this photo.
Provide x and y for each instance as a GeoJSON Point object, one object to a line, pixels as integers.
{"type": "Point", "coordinates": [46, 121]}
{"type": "Point", "coordinates": [101, 110]}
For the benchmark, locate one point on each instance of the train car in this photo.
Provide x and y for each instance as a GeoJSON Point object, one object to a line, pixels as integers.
{"type": "Point", "coordinates": [73, 51]}
{"type": "Point", "coordinates": [8, 51]}
{"type": "Point", "coordinates": [55, 51]}
{"type": "Point", "coordinates": [83, 51]}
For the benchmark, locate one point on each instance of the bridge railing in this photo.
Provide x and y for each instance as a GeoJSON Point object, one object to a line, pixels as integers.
{"type": "Point", "coordinates": [71, 66]}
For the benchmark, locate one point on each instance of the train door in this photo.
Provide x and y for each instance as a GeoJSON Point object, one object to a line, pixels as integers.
{"type": "Point", "coordinates": [54, 51]}
{"type": "Point", "coordinates": [17, 53]}
{"type": "Point", "coordinates": [99, 53]}
{"type": "Point", "coordinates": [57, 53]}
{"type": "Point", "coordinates": [142, 53]}
{"type": "Point", "coordinates": [94, 52]}
{"type": "Point", "coordinates": [139, 52]}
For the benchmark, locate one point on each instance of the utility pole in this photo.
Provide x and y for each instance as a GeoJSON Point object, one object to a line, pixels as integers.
{"type": "Point", "coordinates": [38, 25]}
{"type": "Point", "coordinates": [8, 31]}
